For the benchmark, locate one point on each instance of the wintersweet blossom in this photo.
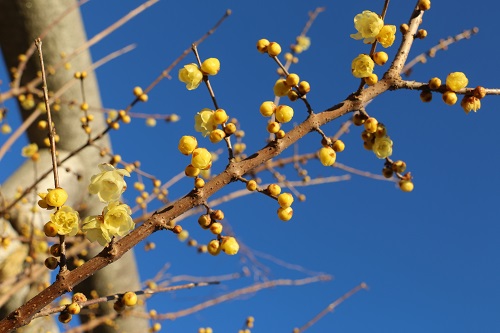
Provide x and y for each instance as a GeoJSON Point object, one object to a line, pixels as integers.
{"type": "Point", "coordinates": [114, 221]}
{"type": "Point", "coordinates": [382, 147]}
{"type": "Point", "coordinates": [368, 24]}
{"type": "Point", "coordinates": [109, 183]}
{"type": "Point", "coordinates": [29, 150]}
{"type": "Point", "coordinates": [456, 81]}
{"type": "Point", "coordinates": [470, 103]}
{"type": "Point", "coordinates": [201, 159]}
{"type": "Point", "coordinates": [304, 42]}
{"type": "Point", "coordinates": [117, 219]}
{"type": "Point", "coordinates": [204, 122]}
{"type": "Point", "coordinates": [191, 75]}
{"type": "Point", "coordinates": [66, 219]}
{"type": "Point", "coordinates": [362, 66]}
{"type": "Point", "coordinates": [387, 35]}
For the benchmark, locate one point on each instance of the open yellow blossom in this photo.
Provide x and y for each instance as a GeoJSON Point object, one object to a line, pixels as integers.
{"type": "Point", "coordinates": [382, 147]}
{"type": "Point", "coordinates": [204, 122]}
{"type": "Point", "coordinates": [362, 66]}
{"type": "Point", "coordinates": [368, 24]}
{"type": "Point", "coordinates": [109, 183]}
{"type": "Point", "coordinates": [92, 226]}
{"type": "Point", "coordinates": [66, 219]}
{"type": "Point", "coordinates": [470, 103]}
{"type": "Point", "coordinates": [29, 150]}
{"type": "Point", "coordinates": [191, 75]}
{"type": "Point", "coordinates": [387, 35]}
{"type": "Point", "coordinates": [456, 81]}
{"type": "Point", "coordinates": [117, 219]}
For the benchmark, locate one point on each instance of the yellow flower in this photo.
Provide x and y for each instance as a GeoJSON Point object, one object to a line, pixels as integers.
{"type": "Point", "coordinates": [387, 35]}
{"type": "Point", "coordinates": [109, 184]}
{"type": "Point", "coordinates": [211, 66]}
{"type": "Point", "coordinates": [29, 150]}
{"type": "Point", "coordinates": [204, 122]}
{"type": "Point", "coordinates": [382, 147]}
{"type": "Point", "coordinates": [456, 81]}
{"type": "Point", "coordinates": [191, 75]}
{"type": "Point", "coordinates": [117, 219]}
{"type": "Point", "coordinates": [281, 88]}
{"type": "Point", "coordinates": [54, 197]}
{"type": "Point", "coordinates": [368, 25]}
{"type": "Point", "coordinates": [327, 156]}
{"type": "Point", "coordinates": [362, 66]}
{"type": "Point", "coordinates": [229, 245]}
{"type": "Point", "coordinates": [92, 226]}
{"type": "Point", "coordinates": [470, 103]}
{"type": "Point", "coordinates": [187, 144]}
{"type": "Point", "coordinates": [201, 159]}
{"type": "Point", "coordinates": [66, 219]}
{"type": "Point", "coordinates": [304, 42]}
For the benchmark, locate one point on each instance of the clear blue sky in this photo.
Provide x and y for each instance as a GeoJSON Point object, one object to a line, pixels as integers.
{"type": "Point", "coordinates": [430, 257]}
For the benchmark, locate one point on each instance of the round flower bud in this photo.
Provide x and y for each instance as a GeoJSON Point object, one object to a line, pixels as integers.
{"type": "Point", "coordinates": [50, 229]}
{"type": "Point", "coordinates": [424, 4]}
{"type": "Point", "coordinates": [285, 214]}
{"type": "Point", "coordinates": [387, 172]}
{"type": "Point", "coordinates": [280, 134]}
{"type": "Point", "coordinates": [399, 166]}
{"type": "Point", "coordinates": [216, 228]}
{"type": "Point", "coordinates": [274, 189]}
{"type": "Point", "coordinates": [183, 235]}
{"type": "Point", "coordinates": [406, 185]}
{"type": "Point", "coordinates": [55, 250]}
{"type": "Point", "coordinates": [129, 298]}
{"type": "Point", "coordinates": [281, 88]}
{"type": "Point", "coordinates": [199, 183]}
{"type": "Point", "coordinates": [267, 108]}
{"type": "Point", "coordinates": [214, 247]}
{"type": "Point", "coordinates": [404, 28]}
{"type": "Point", "coordinates": [273, 49]}
{"type": "Point", "coordinates": [252, 185]}
{"type": "Point", "coordinates": [358, 119]}
{"type": "Point", "coordinates": [229, 245]}
{"type": "Point", "coordinates": [434, 83]}
{"type": "Point", "coordinates": [285, 200]}
{"type": "Point", "coordinates": [421, 33]}
{"type": "Point", "coordinates": [456, 81]}
{"type": "Point", "coordinates": [56, 197]}
{"type": "Point", "coordinates": [204, 221]}
{"type": "Point", "coordinates": [273, 127]}
{"type": "Point", "coordinates": [262, 45]}
{"type": "Point", "coordinates": [371, 125]}
{"type": "Point", "coordinates": [338, 146]}
{"type": "Point", "coordinates": [217, 215]}
{"type": "Point", "coordinates": [304, 87]}
{"type": "Point", "coordinates": [217, 135]}
{"type": "Point", "coordinates": [327, 156]}
{"type": "Point", "coordinates": [293, 95]}
{"type": "Point", "coordinates": [371, 79]}
{"type": "Point", "coordinates": [187, 144]}
{"type": "Point", "coordinates": [201, 159]}
{"type": "Point", "coordinates": [191, 75]}
{"type": "Point", "coordinates": [137, 91]}
{"type": "Point", "coordinates": [220, 116]}
{"type": "Point", "coordinates": [292, 80]}
{"type": "Point", "coordinates": [79, 297]}
{"type": "Point", "coordinates": [450, 98]}
{"type": "Point", "coordinates": [118, 306]}
{"type": "Point", "coordinates": [284, 113]}
{"type": "Point", "coordinates": [210, 66]}
{"type": "Point", "coordinates": [191, 171]}
{"type": "Point", "coordinates": [230, 128]}
{"type": "Point", "coordinates": [470, 103]}
{"type": "Point", "coordinates": [479, 92]}
{"type": "Point", "coordinates": [382, 147]}
{"type": "Point", "coordinates": [426, 96]}
{"type": "Point", "coordinates": [73, 308]}
{"type": "Point", "coordinates": [51, 263]}
{"type": "Point", "coordinates": [387, 35]}
{"type": "Point", "coordinates": [380, 58]}
{"type": "Point", "coordinates": [362, 66]}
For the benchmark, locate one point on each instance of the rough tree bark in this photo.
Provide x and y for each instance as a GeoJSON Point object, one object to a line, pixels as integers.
{"type": "Point", "coordinates": [21, 22]}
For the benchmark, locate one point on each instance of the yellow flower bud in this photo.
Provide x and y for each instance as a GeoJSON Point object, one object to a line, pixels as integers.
{"type": "Point", "coordinates": [229, 245]}
{"type": "Point", "coordinates": [338, 146]}
{"type": "Point", "coordinates": [262, 45]}
{"type": "Point", "coordinates": [380, 58]}
{"type": "Point", "coordinates": [201, 158]}
{"type": "Point", "coordinates": [56, 197]}
{"type": "Point", "coordinates": [285, 200]}
{"type": "Point", "coordinates": [220, 116]}
{"type": "Point", "coordinates": [187, 144]}
{"type": "Point", "coordinates": [284, 113]}
{"type": "Point", "coordinates": [327, 156]}
{"type": "Point", "coordinates": [129, 298]}
{"type": "Point", "coordinates": [292, 80]}
{"type": "Point", "coordinates": [406, 185]}
{"type": "Point", "coordinates": [304, 87]}
{"type": "Point", "coordinates": [387, 35]}
{"type": "Point", "coordinates": [450, 98]}
{"type": "Point", "coordinates": [281, 88]}
{"type": "Point", "coordinates": [434, 83]}
{"type": "Point", "coordinates": [267, 108]}
{"type": "Point", "coordinates": [371, 125]}
{"type": "Point", "coordinates": [273, 49]}
{"type": "Point", "coordinates": [210, 66]}
{"type": "Point", "coordinates": [456, 81]}
{"type": "Point", "coordinates": [371, 79]}
{"type": "Point", "coordinates": [217, 135]}
{"type": "Point", "coordinates": [214, 247]}
{"type": "Point", "coordinates": [274, 189]}
{"type": "Point", "coordinates": [285, 214]}
{"type": "Point", "coordinates": [191, 171]}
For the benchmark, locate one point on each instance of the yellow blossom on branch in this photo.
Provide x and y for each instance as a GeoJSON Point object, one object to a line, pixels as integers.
{"type": "Point", "coordinates": [191, 75]}
{"type": "Point", "coordinates": [362, 66]}
{"type": "Point", "coordinates": [368, 24]}
{"type": "Point", "coordinates": [382, 147]}
{"type": "Point", "coordinates": [109, 183]}
{"type": "Point", "coordinates": [29, 150]}
{"type": "Point", "coordinates": [387, 35]}
{"type": "Point", "coordinates": [117, 219]}
{"type": "Point", "coordinates": [92, 226]}
{"type": "Point", "coordinates": [204, 122]}
{"type": "Point", "coordinates": [66, 219]}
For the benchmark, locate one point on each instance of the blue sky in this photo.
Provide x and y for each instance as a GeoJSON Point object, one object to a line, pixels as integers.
{"type": "Point", "coordinates": [430, 257]}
